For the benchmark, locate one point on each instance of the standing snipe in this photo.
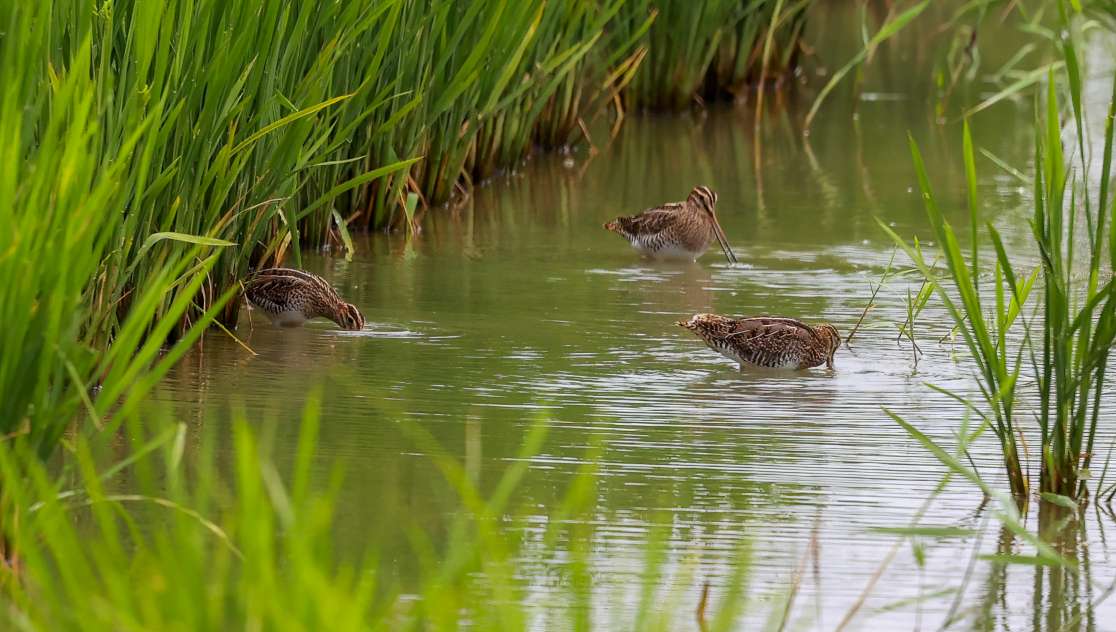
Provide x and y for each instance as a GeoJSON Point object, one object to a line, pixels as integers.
{"type": "Point", "coordinates": [291, 297]}
{"type": "Point", "coordinates": [677, 230]}
{"type": "Point", "coordinates": [778, 343]}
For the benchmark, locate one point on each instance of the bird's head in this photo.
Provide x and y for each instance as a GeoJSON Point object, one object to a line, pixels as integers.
{"type": "Point", "coordinates": [703, 198]}
{"type": "Point", "coordinates": [349, 317]}
{"type": "Point", "coordinates": [832, 341]}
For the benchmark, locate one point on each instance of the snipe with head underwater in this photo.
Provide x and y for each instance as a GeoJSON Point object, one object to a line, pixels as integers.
{"type": "Point", "coordinates": [291, 297]}
{"type": "Point", "coordinates": [767, 341]}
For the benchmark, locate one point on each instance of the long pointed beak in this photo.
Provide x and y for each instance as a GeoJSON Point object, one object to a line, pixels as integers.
{"type": "Point", "coordinates": [723, 241]}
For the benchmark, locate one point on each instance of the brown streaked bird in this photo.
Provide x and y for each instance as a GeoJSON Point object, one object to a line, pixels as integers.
{"type": "Point", "coordinates": [677, 230]}
{"type": "Point", "coordinates": [777, 343]}
{"type": "Point", "coordinates": [291, 297]}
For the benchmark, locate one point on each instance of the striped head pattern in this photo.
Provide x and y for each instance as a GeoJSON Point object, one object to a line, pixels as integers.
{"type": "Point", "coordinates": [704, 198]}
{"type": "Point", "coordinates": [832, 339]}
{"type": "Point", "coordinates": [349, 317]}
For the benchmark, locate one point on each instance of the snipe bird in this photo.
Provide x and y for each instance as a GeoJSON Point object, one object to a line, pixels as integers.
{"type": "Point", "coordinates": [291, 297]}
{"type": "Point", "coordinates": [778, 343]}
{"type": "Point", "coordinates": [676, 230]}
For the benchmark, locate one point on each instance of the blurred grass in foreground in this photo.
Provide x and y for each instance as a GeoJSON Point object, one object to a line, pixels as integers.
{"type": "Point", "coordinates": [185, 547]}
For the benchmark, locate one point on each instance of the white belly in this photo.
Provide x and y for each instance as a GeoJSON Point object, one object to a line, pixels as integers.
{"type": "Point", "coordinates": [730, 353]}
{"type": "Point", "coordinates": [673, 252]}
{"type": "Point", "coordinates": [785, 364]}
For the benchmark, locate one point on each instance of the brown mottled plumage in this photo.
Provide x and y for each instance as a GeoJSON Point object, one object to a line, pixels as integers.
{"type": "Point", "coordinates": [782, 343]}
{"type": "Point", "coordinates": [291, 297]}
{"type": "Point", "coordinates": [678, 230]}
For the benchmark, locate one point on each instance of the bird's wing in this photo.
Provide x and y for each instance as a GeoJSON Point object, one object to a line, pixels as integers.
{"type": "Point", "coordinates": [651, 221]}
{"type": "Point", "coordinates": [791, 325]}
{"type": "Point", "coordinates": [763, 346]}
{"type": "Point", "coordinates": [273, 293]}
{"type": "Point", "coordinates": [288, 279]}
{"type": "Point", "coordinates": [754, 337]}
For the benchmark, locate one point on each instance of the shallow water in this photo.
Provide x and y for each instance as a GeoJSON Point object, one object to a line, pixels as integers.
{"type": "Point", "coordinates": [517, 307]}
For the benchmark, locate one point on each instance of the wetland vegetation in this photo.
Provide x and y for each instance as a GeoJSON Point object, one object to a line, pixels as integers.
{"type": "Point", "coordinates": [520, 437]}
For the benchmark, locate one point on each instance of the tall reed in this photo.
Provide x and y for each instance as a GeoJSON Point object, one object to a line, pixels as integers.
{"type": "Point", "coordinates": [177, 144]}
{"type": "Point", "coordinates": [276, 124]}
{"type": "Point", "coordinates": [711, 48]}
{"type": "Point", "coordinates": [1067, 344]}
{"type": "Point", "coordinates": [242, 109]}
{"type": "Point", "coordinates": [66, 199]}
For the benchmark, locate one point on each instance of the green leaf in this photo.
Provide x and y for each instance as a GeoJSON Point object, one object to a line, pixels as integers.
{"type": "Point", "coordinates": [1026, 560]}
{"type": "Point", "coordinates": [945, 457]}
{"type": "Point", "coordinates": [1015, 88]}
{"type": "Point", "coordinates": [1002, 164]}
{"type": "Point", "coordinates": [343, 228]}
{"type": "Point", "coordinates": [919, 552]}
{"type": "Point", "coordinates": [286, 120]}
{"type": "Point", "coordinates": [409, 210]}
{"type": "Point", "coordinates": [184, 238]}
{"type": "Point", "coordinates": [354, 183]}
{"type": "Point", "coordinates": [974, 204]}
{"type": "Point", "coordinates": [886, 31]}
{"type": "Point", "coordinates": [1059, 500]}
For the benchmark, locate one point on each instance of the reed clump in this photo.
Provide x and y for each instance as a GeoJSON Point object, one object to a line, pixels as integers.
{"type": "Point", "coordinates": [706, 50]}
{"type": "Point", "coordinates": [1062, 340]}
{"type": "Point", "coordinates": [276, 125]}
{"type": "Point", "coordinates": [157, 151]}
{"type": "Point", "coordinates": [67, 199]}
